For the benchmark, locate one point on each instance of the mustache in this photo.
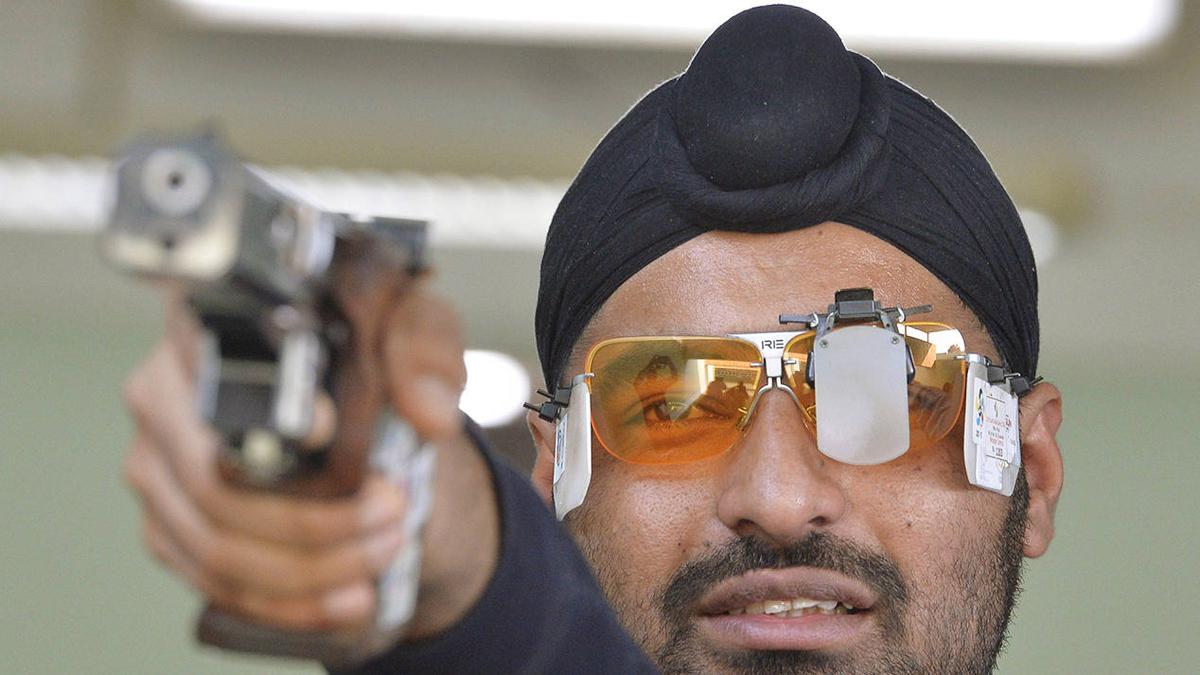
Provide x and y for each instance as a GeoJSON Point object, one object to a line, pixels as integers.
{"type": "Point", "coordinates": [818, 549]}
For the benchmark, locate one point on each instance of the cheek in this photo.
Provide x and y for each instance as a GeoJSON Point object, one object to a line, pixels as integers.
{"type": "Point", "coordinates": [637, 526]}
{"type": "Point", "coordinates": [926, 516]}
{"type": "Point", "coordinates": [919, 495]}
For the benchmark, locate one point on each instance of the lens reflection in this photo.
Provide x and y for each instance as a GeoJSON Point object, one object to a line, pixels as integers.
{"type": "Point", "coordinates": [666, 400]}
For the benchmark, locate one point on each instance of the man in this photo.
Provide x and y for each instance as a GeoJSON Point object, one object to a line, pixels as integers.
{"type": "Point", "coordinates": [727, 536]}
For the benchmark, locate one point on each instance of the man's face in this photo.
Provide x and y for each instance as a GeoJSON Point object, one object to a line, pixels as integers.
{"type": "Point", "coordinates": [690, 554]}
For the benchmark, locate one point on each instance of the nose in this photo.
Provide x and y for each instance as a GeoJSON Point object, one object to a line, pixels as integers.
{"type": "Point", "coordinates": [776, 485]}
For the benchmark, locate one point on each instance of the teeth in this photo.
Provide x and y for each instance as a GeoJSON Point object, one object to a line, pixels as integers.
{"type": "Point", "coordinates": [794, 607]}
{"type": "Point", "coordinates": [776, 606]}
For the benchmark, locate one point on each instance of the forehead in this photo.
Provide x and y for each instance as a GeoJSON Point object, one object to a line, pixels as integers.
{"type": "Point", "coordinates": [730, 282]}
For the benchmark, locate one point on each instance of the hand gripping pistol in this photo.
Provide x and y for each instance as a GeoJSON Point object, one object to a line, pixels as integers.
{"type": "Point", "coordinates": [257, 266]}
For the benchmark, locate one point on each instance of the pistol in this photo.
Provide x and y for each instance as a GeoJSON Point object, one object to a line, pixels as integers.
{"type": "Point", "coordinates": [257, 266]}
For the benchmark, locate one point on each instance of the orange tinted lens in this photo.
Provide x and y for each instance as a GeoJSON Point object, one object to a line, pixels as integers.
{"type": "Point", "coordinates": [935, 396]}
{"type": "Point", "coordinates": [668, 400]}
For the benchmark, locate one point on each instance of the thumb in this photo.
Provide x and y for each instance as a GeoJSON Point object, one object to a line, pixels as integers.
{"type": "Point", "coordinates": [423, 360]}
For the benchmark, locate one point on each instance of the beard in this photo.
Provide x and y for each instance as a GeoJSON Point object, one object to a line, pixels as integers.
{"type": "Point", "coordinates": [958, 627]}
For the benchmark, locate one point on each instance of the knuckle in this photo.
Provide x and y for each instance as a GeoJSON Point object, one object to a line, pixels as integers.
{"type": "Point", "coordinates": [298, 577]}
{"type": "Point", "coordinates": [322, 525]}
{"type": "Point", "coordinates": [305, 615]}
{"type": "Point", "coordinates": [348, 606]}
{"type": "Point", "coordinates": [205, 490]}
{"type": "Point", "coordinates": [135, 472]}
{"type": "Point", "coordinates": [315, 526]}
{"type": "Point", "coordinates": [313, 573]}
{"type": "Point", "coordinates": [214, 558]}
{"type": "Point", "coordinates": [327, 618]}
{"type": "Point", "coordinates": [278, 573]}
{"type": "Point", "coordinates": [154, 542]}
{"type": "Point", "coordinates": [234, 599]}
{"type": "Point", "coordinates": [133, 390]}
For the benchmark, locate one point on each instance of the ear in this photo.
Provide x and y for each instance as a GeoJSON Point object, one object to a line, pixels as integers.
{"type": "Point", "coordinates": [1041, 416]}
{"type": "Point", "coordinates": [542, 476]}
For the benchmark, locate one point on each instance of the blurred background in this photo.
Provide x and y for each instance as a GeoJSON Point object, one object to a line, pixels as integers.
{"type": "Point", "coordinates": [476, 115]}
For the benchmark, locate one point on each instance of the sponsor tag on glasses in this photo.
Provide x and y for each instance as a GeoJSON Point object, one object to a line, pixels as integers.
{"type": "Point", "coordinates": [992, 441]}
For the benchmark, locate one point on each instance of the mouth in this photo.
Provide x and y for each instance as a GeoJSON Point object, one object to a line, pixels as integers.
{"type": "Point", "coordinates": [791, 609]}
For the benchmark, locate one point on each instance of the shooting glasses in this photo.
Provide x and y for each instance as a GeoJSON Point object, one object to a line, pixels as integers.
{"type": "Point", "coordinates": [870, 385]}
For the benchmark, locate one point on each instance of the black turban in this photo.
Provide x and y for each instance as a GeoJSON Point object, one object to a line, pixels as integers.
{"type": "Point", "coordinates": [775, 126]}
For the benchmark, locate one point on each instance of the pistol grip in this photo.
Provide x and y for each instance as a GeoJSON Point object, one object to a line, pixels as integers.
{"type": "Point", "coordinates": [219, 628]}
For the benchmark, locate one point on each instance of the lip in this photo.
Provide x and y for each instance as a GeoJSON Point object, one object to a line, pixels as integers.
{"type": "Point", "coordinates": [772, 632]}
